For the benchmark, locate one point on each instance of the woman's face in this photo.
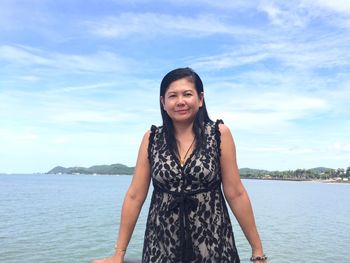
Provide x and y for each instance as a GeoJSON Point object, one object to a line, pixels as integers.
{"type": "Point", "coordinates": [181, 101]}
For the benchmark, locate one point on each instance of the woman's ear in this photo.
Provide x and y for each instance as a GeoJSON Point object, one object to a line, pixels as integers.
{"type": "Point", "coordinates": [201, 99]}
{"type": "Point", "coordinates": [162, 101]}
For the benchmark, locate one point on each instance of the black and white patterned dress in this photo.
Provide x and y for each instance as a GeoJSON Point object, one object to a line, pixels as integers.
{"type": "Point", "coordinates": [188, 220]}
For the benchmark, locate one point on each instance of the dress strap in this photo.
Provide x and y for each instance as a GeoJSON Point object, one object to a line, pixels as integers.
{"type": "Point", "coordinates": [218, 135]}
{"type": "Point", "coordinates": [151, 141]}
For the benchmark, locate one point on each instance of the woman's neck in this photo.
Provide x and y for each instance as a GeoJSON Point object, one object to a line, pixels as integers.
{"type": "Point", "coordinates": [183, 130]}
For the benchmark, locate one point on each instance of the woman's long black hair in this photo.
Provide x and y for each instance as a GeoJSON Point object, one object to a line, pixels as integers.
{"type": "Point", "coordinates": [202, 116]}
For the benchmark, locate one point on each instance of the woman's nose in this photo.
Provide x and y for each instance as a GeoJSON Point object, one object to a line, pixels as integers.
{"type": "Point", "coordinates": [180, 100]}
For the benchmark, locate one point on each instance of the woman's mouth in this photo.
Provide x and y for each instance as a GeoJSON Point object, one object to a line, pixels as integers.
{"type": "Point", "coordinates": [181, 111]}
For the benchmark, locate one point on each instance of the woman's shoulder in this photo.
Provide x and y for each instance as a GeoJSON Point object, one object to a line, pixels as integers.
{"type": "Point", "coordinates": [220, 129]}
{"type": "Point", "coordinates": [154, 133]}
{"type": "Point", "coordinates": [218, 125]}
{"type": "Point", "coordinates": [155, 129]}
{"type": "Point", "coordinates": [151, 132]}
{"type": "Point", "coordinates": [223, 128]}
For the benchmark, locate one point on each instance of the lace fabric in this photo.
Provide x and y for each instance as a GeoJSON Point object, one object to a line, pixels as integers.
{"type": "Point", "coordinates": [188, 220]}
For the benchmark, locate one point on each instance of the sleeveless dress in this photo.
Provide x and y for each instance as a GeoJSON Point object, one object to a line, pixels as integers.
{"type": "Point", "coordinates": [188, 220]}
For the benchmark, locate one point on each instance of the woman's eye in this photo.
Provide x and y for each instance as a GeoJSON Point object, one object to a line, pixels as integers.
{"type": "Point", "coordinates": [188, 94]}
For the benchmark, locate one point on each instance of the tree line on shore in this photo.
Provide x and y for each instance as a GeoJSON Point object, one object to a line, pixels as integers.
{"type": "Point", "coordinates": [319, 173]}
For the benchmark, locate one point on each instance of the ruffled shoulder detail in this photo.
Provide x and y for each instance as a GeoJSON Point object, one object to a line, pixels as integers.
{"type": "Point", "coordinates": [218, 135]}
{"type": "Point", "coordinates": [151, 140]}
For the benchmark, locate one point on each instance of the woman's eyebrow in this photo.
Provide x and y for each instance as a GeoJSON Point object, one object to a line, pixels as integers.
{"type": "Point", "coordinates": [174, 92]}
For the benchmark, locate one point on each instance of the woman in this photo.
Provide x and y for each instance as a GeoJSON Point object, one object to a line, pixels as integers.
{"type": "Point", "coordinates": [188, 159]}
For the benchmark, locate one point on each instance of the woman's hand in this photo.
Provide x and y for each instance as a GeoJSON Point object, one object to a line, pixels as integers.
{"type": "Point", "coordinates": [116, 258]}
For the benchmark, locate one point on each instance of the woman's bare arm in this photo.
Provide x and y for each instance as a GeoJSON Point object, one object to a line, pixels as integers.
{"type": "Point", "coordinates": [135, 195]}
{"type": "Point", "coordinates": [133, 201]}
{"type": "Point", "coordinates": [235, 192]}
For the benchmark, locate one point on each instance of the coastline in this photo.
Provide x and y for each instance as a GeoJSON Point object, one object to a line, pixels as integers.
{"type": "Point", "coordinates": [324, 181]}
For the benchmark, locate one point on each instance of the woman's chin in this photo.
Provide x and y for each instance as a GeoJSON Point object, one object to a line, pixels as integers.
{"type": "Point", "coordinates": [183, 119]}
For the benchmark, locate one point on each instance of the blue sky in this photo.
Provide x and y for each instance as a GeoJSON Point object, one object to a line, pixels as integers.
{"type": "Point", "coordinates": [79, 80]}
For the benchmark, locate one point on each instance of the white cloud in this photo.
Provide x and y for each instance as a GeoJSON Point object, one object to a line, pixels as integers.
{"type": "Point", "coordinates": [283, 102]}
{"type": "Point", "coordinates": [227, 60]}
{"type": "Point", "coordinates": [339, 147]}
{"type": "Point", "coordinates": [268, 111]}
{"type": "Point", "coordinates": [29, 78]}
{"type": "Point", "coordinates": [25, 56]}
{"type": "Point", "coordinates": [223, 5]}
{"type": "Point", "coordinates": [280, 150]}
{"type": "Point", "coordinates": [75, 108]}
{"type": "Point", "coordinates": [347, 147]}
{"type": "Point", "coordinates": [151, 24]}
{"type": "Point", "coordinates": [261, 122]}
{"type": "Point", "coordinates": [285, 16]}
{"type": "Point", "coordinates": [341, 6]}
{"type": "Point", "coordinates": [60, 140]}
{"type": "Point", "coordinates": [22, 56]}
{"type": "Point", "coordinates": [26, 135]}
{"type": "Point", "coordinates": [80, 88]}
{"type": "Point", "coordinates": [289, 15]}
{"type": "Point", "coordinates": [327, 51]}
{"type": "Point", "coordinates": [89, 116]}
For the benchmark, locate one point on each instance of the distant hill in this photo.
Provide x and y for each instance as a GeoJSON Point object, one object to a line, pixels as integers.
{"type": "Point", "coordinates": [316, 170]}
{"type": "Point", "coordinates": [318, 173]}
{"type": "Point", "coordinates": [245, 171]}
{"type": "Point", "coordinates": [121, 169]}
{"type": "Point", "coordinates": [320, 169]}
{"type": "Point", "coordinates": [116, 169]}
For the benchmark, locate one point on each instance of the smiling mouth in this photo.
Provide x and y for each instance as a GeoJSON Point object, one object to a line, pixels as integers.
{"type": "Point", "coordinates": [181, 111]}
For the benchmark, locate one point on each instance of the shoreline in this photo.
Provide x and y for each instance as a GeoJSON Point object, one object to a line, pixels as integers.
{"type": "Point", "coordinates": [324, 181]}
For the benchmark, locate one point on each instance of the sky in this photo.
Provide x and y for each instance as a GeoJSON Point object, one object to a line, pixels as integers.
{"type": "Point", "coordinates": [79, 80]}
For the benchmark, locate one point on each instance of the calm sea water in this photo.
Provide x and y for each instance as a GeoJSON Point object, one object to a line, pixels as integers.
{"type": "Point", "coordinates": [48, 218]}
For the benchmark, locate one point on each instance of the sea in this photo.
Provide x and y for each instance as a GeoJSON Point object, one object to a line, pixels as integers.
{"type": "Point", "coordinates": [75, 218]}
